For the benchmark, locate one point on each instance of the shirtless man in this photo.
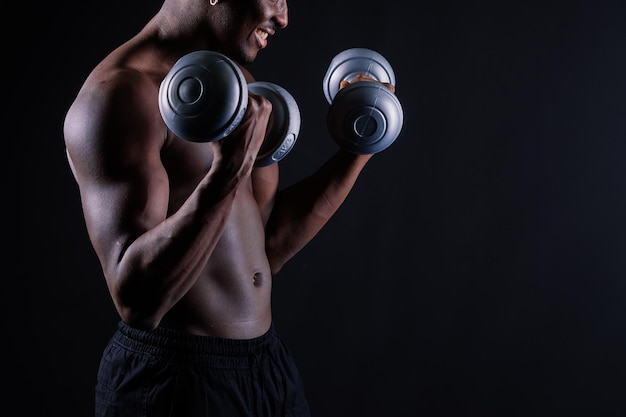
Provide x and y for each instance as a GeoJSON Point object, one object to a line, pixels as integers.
{"type": "Point", "coordinates": [189, 234]}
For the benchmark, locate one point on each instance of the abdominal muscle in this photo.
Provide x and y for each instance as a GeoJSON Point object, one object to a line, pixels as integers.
{"type": "Point", "coordinates": [232, 296]}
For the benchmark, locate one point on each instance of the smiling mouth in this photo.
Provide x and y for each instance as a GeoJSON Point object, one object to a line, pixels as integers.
{"type": "Point", "coordinates": [261, 37]}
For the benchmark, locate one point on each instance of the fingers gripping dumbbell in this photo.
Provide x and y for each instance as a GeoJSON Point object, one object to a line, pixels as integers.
{"type": "Point", "coordinates": [204, 97]}
{"type": "Point", "coordinates": [364, 117]}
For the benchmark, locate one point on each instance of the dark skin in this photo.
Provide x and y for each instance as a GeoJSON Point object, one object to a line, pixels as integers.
{"type": "Point", "coordinates": [190, 234]}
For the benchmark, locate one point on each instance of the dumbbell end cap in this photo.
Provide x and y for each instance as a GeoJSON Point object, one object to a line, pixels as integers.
{"type": "Point", "coordinates": [365, 118]}
{"type": "Point", "coordinates": [203, 97]}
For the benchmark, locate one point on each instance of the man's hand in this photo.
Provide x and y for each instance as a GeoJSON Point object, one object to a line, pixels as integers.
{"type": "Point", "coordinates": [363, 77]}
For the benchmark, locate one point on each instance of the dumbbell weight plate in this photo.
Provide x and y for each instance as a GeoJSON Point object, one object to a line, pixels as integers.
{"type": "Point", "coordinates": [348, 64]}
{"type": "Point", "coordinates": [365, 118]}
{"type": "Point", "coordinates": [203, 97]}
{"type": "Point", "coordinates": [284, 126]}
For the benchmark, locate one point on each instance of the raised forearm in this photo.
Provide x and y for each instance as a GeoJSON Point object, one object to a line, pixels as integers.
{"type": "Point", "coordinates": [160, 266]}
{"type": "Point", "coordinates": [302, 209]}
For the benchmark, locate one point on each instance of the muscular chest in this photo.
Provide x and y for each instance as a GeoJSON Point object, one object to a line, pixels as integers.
{"type": "Point", "coordinates": [186, 164]}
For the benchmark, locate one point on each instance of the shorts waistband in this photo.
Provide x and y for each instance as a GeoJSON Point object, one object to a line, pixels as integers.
{"type": "Point", "coordinates": [177, 345]}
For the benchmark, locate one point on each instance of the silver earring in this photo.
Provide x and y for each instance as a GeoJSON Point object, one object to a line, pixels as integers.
{"type": "Point", "coordinates": [213, 2]}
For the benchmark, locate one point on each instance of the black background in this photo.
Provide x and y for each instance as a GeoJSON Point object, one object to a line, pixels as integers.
{"type": "Point", "coordinates": [477, 269]}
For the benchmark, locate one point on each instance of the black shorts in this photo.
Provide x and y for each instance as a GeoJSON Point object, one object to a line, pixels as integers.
{"type": "Point", "coordinates": [169, 373]}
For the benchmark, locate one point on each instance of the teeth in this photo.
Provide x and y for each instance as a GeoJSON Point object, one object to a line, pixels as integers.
{"type": "Point", "coordinates": [262, 34]}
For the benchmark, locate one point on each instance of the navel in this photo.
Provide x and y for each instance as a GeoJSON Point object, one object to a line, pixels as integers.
{"type": "Point", "coordinates": [257, 279]}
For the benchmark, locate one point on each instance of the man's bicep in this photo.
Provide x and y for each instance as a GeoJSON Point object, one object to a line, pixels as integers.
{"type": "Point", "coordinates": [119, 210]}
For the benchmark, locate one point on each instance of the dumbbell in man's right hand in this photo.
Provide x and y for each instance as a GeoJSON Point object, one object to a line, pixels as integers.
{"type": "Point", "coordinates": [205, 96]}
